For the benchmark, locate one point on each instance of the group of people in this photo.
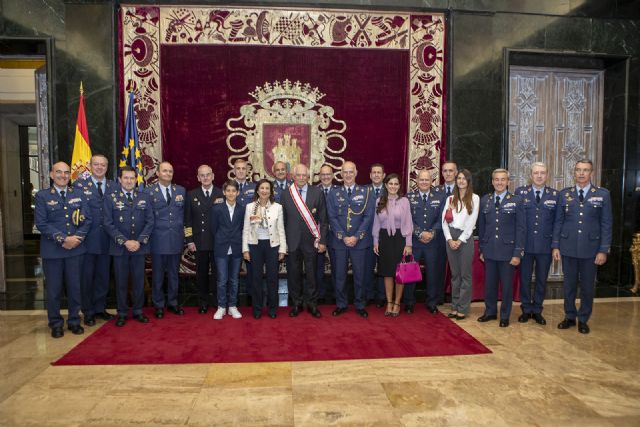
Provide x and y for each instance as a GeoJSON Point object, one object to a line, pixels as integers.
{"type": "Point", "coordinates": [370, 228]}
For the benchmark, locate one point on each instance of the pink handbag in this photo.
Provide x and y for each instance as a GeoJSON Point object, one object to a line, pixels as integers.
{"type": "Point", "coordinates": [408, 272]}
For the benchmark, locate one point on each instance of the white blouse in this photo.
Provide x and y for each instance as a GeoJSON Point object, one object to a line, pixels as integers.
{"type": "Point", "coordinates": [461, 220]}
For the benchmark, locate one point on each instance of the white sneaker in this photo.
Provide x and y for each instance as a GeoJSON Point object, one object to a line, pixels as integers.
{"type": "Point", "coordinates": [220, 312]}
{"type": "Point", "coordinates": [234, 313]}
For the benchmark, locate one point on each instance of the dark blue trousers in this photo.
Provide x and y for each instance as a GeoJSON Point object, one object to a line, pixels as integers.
{"type": "Point", "coordinates": [431, 278]}
{"type": "Point", "coordinates": [578, 271]}
{"type": "Point", "coordinates": [533, 303]}
{"type": "Point", "coordinates": [374, 284]}
{"type": "Point", "coordinates": [61, 273]}
{"type": "Point", "coordinates": [125, 266]}
{"type": "Point", "coordinates": [441, 265]}
{"type": "Point", "coordinates": [358, 258]}
{"type": "Point", "coordinates": [95, 283]}
{"type": "Point", "coordinates": [165, 264]}
{"type": "Point", "coordinates": [498, 273]}
{"type": "Point", "coordinates": [263, 254]}
{"type": "Point", "coordinates": [321, 285]}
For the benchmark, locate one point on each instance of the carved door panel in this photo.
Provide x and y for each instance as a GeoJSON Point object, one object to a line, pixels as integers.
{"type": "Point", "coordinates": [555, 117]}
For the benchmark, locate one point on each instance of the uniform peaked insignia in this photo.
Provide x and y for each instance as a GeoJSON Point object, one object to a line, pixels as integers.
{"type": "Point", "coordinates": [52, 202]}
{"type": "Point", "coordinates": [179, 198]}
{"type": "Point", "coordinates": [508, 196]}
{"type": "Point", "coordinates": [593, 190]}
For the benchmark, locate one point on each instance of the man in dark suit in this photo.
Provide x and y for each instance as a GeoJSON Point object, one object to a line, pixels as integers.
{"type": "Point", "coordinates": [128, 219]}
{"type": "Point", "coordinates": [449, 174]}
{"type": "Point", "coordinates": [327, 186]}
{"type": "Point", "coordinates": [374, 284]}
{"type": "Point", "coordinates": [582, 237]}
{"type": "Point", "coordinates": [197, 230]}
{"type": "Point", "coordinates": [63, 219]}
{"type": "Point", "coordinates": [97, 261]}
{"type": "Point", "coordinates": [167, 238]}
{"type": "Point", "coordinates": [281, 183]}
{"type": "Point", "coordinates": [502, 232]}
{"type": "Point", "coordinates": [305, 224]}
{"type": "Point", "coordinates": [540, 203]}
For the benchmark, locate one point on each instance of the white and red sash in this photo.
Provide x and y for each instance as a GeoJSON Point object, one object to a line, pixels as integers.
{"type": "Point", "coordinates": [305, 213]}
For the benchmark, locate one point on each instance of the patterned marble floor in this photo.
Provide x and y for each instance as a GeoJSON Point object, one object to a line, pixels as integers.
{"type": "Point", "coordinates": [535, 376]}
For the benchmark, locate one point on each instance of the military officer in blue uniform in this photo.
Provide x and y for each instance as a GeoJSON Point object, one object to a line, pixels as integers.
{"type": "Point", "coordinates": [502, 231]}
{"type": "Point", "coordinates": [351, 211]}
{"type": "Point", "coordinates": [582, 238]}
{"type": "Point", "coordinates": [327, 187]}
{"type": "Point", "coordinates": [449, 173]}
{"type": "Point", "coordinates": [426, 211]}
{"type": "Point", "coordinates": [247, 190]}
{"type": "Point", "coordinates": [167, 238]}
{"type": "Point", "coordinates": [540, 202]}
{"type": "Point", "coordinates": [197, 231]}
{"type": "Point", "coordinates": [97, 261]}
{"type": "Point", "coordinates": [374, 284]}
{"type": "Point", "coordinates": [128, 219]}
{"type": "Point", "coordinates": [281, 183]}
{"type": "Point", "coordinates": [63, 219]}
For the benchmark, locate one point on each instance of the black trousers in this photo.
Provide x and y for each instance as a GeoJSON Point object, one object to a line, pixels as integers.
{"type": "Point", "coordinates": [295, 261]}
{"type": "Point", "coordinates": [204, 263]}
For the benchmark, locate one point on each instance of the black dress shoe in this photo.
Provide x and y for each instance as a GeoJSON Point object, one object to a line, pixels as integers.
{"type": "Point", "coordinates": [141, 318]}
{"type": "Point", "coordinates": [567, 323]}
{"type": "Point", "coordinates": [452, 315]}
{"type": "Point", "coordinates": [159, 313]}
{"type": "Point", "coordinates": [362, 313]}
{"type": "Point", "coordinates": [380, 303]}
{"type": "Point", "coordinates": [338, 311]}
{"type": "Point", "coordinates": [272, 315]}
{"type": "Point", "coordinates": [583, 328]}
{"type": "Point", "coordinates": [76, 329]}
{"type": "Point", "coordinates": [104, 315]}
{"type": "Point", "coordinates": [178, 311]}
{"type": "Point", "coordinates": [120, 321]}
{"type": "Point", "coordinates": [504, 323]}
{"type": "Point", "coordinates": [432, 310]}
{"type": "Point", "coordinates": [295, 311]}
{"type": "Point", "coordinates": [57, 332]}
{"type": "Point", "coordinates": [408, 308]}
{"type": "Point", "coordinates": [539, 319]}
{"type": "Point", "coordinates": [203, 309]}
{"type": "Point", "coordinates": [257, 314]}
{"type": "Point", "coordinates": [89, 321]}
{"type": "Point", "coordinates": [524, 317]}
{"type": "Point", "coordinates": [315, 312]}
{"type": "Point", "coordinates": [486, 318]}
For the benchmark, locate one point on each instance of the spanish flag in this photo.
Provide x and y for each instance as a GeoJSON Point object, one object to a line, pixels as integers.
{"type": "Point", "coordinates": [131, 155]}
{"type": "Point", "coordinates": [81, 158]}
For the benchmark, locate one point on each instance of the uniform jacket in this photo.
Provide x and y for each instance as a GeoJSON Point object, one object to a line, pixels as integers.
{"type": "Point", "coordinates": [426, 217]}
{"type": "Point", "coordinates": [124, 221]}
{"type": "Point", "coordinates": [540, 218]}
{"type": "Point", "coordinates": [296, 229]}
{"type": "Point", "coordinates": [583, 229]}
{"type": "Point", "coordinates": [167, 237]}
{"type": "Point", "coordinates": [277, 191]}
{"type": "Point", "coordinates": [196, 217]}
{"type": "Point", "coordinates": [502, 230]}
{"type": "Point", "coordinates": [247, 194]}
{"type": "Point", "coordinates": [56, 219]}
{"type": "Point", "coordinates": [360, 223]}
{"type": "Point", "coordinates": [97, 241]}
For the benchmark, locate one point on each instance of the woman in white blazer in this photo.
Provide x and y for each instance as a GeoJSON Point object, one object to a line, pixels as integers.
{"type": "Point", "coordinates": [264, 244]}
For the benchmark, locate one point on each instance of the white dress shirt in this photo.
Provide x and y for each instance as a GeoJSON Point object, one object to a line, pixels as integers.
{"type": "Point", "coordinates": [461, 220]}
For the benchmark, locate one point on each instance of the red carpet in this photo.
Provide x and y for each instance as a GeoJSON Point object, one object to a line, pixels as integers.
{"type": "Point", "coordinates": [195, 338]}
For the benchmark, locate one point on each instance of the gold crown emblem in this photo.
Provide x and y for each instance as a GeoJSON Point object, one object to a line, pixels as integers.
{"type": "Point", "coordinates": [287, 95]}
{"type": "Point", "coordinates": [286, 150]}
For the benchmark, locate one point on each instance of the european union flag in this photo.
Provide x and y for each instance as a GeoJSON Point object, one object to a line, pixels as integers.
{"type": "Point", "coordinates": [131, 155]}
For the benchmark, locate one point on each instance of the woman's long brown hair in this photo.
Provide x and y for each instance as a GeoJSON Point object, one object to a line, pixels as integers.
{"type": "Point", "coordinates": [384, 198]}
{"type": "Point", "coordinates": [467, 200]}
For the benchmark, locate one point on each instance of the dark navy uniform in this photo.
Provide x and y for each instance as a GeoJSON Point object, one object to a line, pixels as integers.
{"type": "Point", "coordinates": [124, 220]}
{"type": "Point", "coordinates": [374, 285]}
{"type": "Point", "coordinates": [351, 216]}
{"type": "Point", "coordinates": [541, 216]}
{"type": "Point", "coordinates": [278, 188]}
{"type": "Point", "coordinates": [167, 241]}
{"type": "Point", "coordinates": [321, 263]}
{"type": "Point", "coordinates": [97, 261]}
{"type": "Point", "coordinates": [583, 229]}
{"type": "Point", "coordinates": [56, 218]}
{"type": "Point", "coordinates": [502, 231]}
{"type": "Point", "coordinates": [426, 213]}
{"type": "Point", "coordinates": [197, 230]}
{"type": "Point", "coordinates": [246, 193]}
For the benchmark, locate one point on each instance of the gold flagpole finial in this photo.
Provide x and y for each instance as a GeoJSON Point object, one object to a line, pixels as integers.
{"type": "Point", "coordinates": [81, 89]}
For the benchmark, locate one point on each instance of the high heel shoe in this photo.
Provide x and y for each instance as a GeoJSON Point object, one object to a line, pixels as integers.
{"type": "Point", "coordinates": [396, 311]}
{"type": "Point", "coordinates": [389, 309]}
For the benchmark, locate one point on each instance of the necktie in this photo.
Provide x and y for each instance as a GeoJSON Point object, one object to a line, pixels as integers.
{"type": "Point", "coordinates": [537, 196]}
{"type": "Point", "coordinates": [100, 189]}
{"type": "Point", "coordinates": [62, 195]}
{"type": "Point", "coordinates": [497, 201]}
{"type": "Point", "coordinates": [349, 193]}
{"type": "Point", "coordinates": [377, 192]}
{"type": "Point", "coordinates": [168, 196]}
{"type": "Point", "coordinates": [581, 197]}
{"type": "Point", "coordinates": [241, 185]}
{"type": "Point", "coordinates": [281, 186]}
{"type": "Point", "coordinates": [206, 194]}
{"type": "Point", "coordinates": [326, 192]}
{"type": "Point", "coordinates": [424, 199]}
{"type": "Point", "coordinates": [129, 199]}
{"type": "Point", "coordinates": [448, 190]}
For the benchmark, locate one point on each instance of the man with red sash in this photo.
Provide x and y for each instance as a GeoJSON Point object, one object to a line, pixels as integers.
{"type": "Point", "coordinates": [306, 225]}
